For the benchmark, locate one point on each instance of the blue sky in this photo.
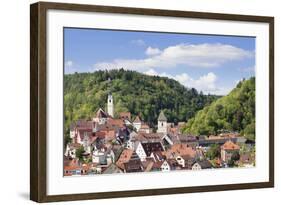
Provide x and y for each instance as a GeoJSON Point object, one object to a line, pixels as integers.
{"type": "Point", "coordinates": [212, 64]}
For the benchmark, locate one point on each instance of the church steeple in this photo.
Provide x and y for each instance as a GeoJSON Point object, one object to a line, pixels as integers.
{"type": "Point", "coordinates": [162, 123]}
{"type": "Point", "coordinates": [110, 105]}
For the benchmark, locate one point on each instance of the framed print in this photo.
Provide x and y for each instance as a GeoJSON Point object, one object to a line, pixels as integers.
{"type": "Point", "coordinates": [136, 102]}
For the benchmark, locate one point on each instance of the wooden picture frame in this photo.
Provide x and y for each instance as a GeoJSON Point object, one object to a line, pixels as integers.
{"type": "Point", "coordinates": [38, 100]}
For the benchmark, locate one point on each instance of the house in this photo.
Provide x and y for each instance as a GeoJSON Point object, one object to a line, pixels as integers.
{"type": "Point", "coordinates": [71, 167]}
{"type": "Point", "coordinates": [103, 156]}
{"type": "Point", "coordinates": [174, 164]}
{"type": "Point", "coordinates": [167, 140]}
{"type": "Point", "coordinates": [145, 128]}
{"type": "Point", "coordinates": [125, 116]}
{"type": "Point", "coordinates": [80, 125]}
{"type": "Point", "coordinates": [162, 123]}
{"type": "Point", "coordinates": [180, 150]}
{"type": "Point", "coordinates": [122, 135]}
{"type": "Point", "coordinates": [85, 169]}
{"type": "Point", "coordinates": [124, 157]}
{"type": "Point", "coordinates": [158, 156]}
{"type": "Point", "coordinates": [101, 117]}
{"type": "Point", "coordinates": [137, 123]}
{"type": "Point", "coordinates": [246, 160]}
{"type": "Point", "coordinates": [185, 161]}
{"type": "Point", "coordinates": [227, 150]}
{"type": "Point", "coordinates": [165, 167]}
{"type": "Point", "coordinates": [203, 164]}
{"type": "Point", "coordinates": [144, 150]}
{"type": "Point", "coordinates": [70, 150]}
{"type": "Point", "coordinates": [148, 164]}
{"type": "Point", "coordinates": [134, 165]}
{"type": "Point", "coordinates": [116, 122]}
{"type": "Point", "coordinates": [183, 154]}
{"type": "Point", "coordinates": [87, 143]}
{"type": "Point", "coordinates": [130, 144]}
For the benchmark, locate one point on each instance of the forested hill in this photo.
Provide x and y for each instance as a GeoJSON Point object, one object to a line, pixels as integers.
{"type": "Point", "coordinates": [140, 94]}
{"type": "Point", "coordinates": [234, 112]}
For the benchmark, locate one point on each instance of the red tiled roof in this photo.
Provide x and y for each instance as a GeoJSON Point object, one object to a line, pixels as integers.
{"type": "Point", "coordinates": [116, 122]}
{"type": "Point", "coordinates": [124, 157]}
{"type": "Point", "coordinates": [181, 150]}
{"type": "Point", "coordinates": [229, 145]}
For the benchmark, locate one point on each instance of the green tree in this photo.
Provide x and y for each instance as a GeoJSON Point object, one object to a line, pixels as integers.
{"type": "Point", "coordinates": [213, 152]}
{"type": "Point", "coordinates": [233, 112]}
{"type": "Point", "coordinates": [79, 153]}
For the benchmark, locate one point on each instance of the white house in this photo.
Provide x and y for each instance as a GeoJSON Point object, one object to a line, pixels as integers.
{"type": "Point", "coordinates": [162, 123]}
{"type": "Point", "coordinates": [103, 157]}
{"type": "Point", "coordinates": [204, 164]}
{"type": "Point", "coordinates": [137, 123]}
{"type": "Point", "coordinates": [101, 117]}
{"type": "Point", "coordinates": [140, 152]}
{"type": "Point", "coordinates": [165, 167]}
{"type": "Point", "coordinates": [70, 150]}
{"type": "Point", "coordinates": [145, 149]}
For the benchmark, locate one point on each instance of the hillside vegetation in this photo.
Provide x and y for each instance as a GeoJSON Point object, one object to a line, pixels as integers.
{"type": "Point", "coordinates": [234, 112]}
{"type": "Point", "coordinates": [140, 94]}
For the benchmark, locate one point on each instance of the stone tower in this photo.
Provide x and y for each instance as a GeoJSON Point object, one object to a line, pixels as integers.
{"type": "Point", "coordinates": [162, 123]}
{"type": "Point", "coordinates": [110, 105]}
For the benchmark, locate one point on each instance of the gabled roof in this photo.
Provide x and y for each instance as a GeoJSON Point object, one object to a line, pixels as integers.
{"type": "Point", "coordinates": [82, 124]}
{"type": "Point", "coordinates": [124, 157]}
{"type": "Point", "coordinates": [162, 116]}
{"type": "Point", "coordinates": [137, 120]}
{"type": "Point", "coordinates": [180, 150]}
{"type": "Point", "coordinates": [229, 145]}
{"type": "Point", "coordinates": [134, 165]}
{"type": "Point", "coordinates": [115, 122]}
{"type": "Point", "coordinates": [152, 147]}
{"type": "Point", "coordinates": [101, 114]}
{"type": "Point", "coordinates": [205, 164]}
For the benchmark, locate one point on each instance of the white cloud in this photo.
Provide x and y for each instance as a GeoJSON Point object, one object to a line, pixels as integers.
{"type": "Point", "coordinates": [206, 83]}
{"type": "Point", "coordinates": [152, 51]}
{"type": "Point", "coordinates": [199, 55]}
{"type": "Point", "coordinates": [69, 63]}
{"type": "Point", "coordinates": [151, 72]}
{"type": "Point", "coordinates": [138, 42]}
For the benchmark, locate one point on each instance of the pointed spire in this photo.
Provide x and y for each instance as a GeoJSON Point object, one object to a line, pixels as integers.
{"type": "Point", "coordinates": [162, 116]}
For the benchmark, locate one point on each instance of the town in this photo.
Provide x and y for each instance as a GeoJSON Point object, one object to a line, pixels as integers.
{"type": "Point", "coordinates": [109, 144]}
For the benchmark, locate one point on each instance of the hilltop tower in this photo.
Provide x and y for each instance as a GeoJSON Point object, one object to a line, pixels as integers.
{"type": "Point", "coordinates": [110, 105]}
{"type": "Point", "coordinates": [162, 123]}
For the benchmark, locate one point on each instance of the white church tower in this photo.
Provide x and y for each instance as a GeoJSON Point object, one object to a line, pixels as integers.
{"type": "Point", "coordinates": [162, 123]}
{"type": "Point", "coordinates": [110, 106]}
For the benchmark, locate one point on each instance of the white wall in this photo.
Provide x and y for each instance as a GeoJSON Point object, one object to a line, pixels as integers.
{"type": "Point", "coordinates": [14, 109]}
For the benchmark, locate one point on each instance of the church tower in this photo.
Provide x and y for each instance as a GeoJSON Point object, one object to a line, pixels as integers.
{"type": "Point", "coordinates": [110, 106]}
{"type": "Point", "coordinates": [162, 123]}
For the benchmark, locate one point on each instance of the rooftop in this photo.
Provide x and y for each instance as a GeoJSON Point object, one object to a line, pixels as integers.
{"type": "Point", "coordinates": [162, 116]}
